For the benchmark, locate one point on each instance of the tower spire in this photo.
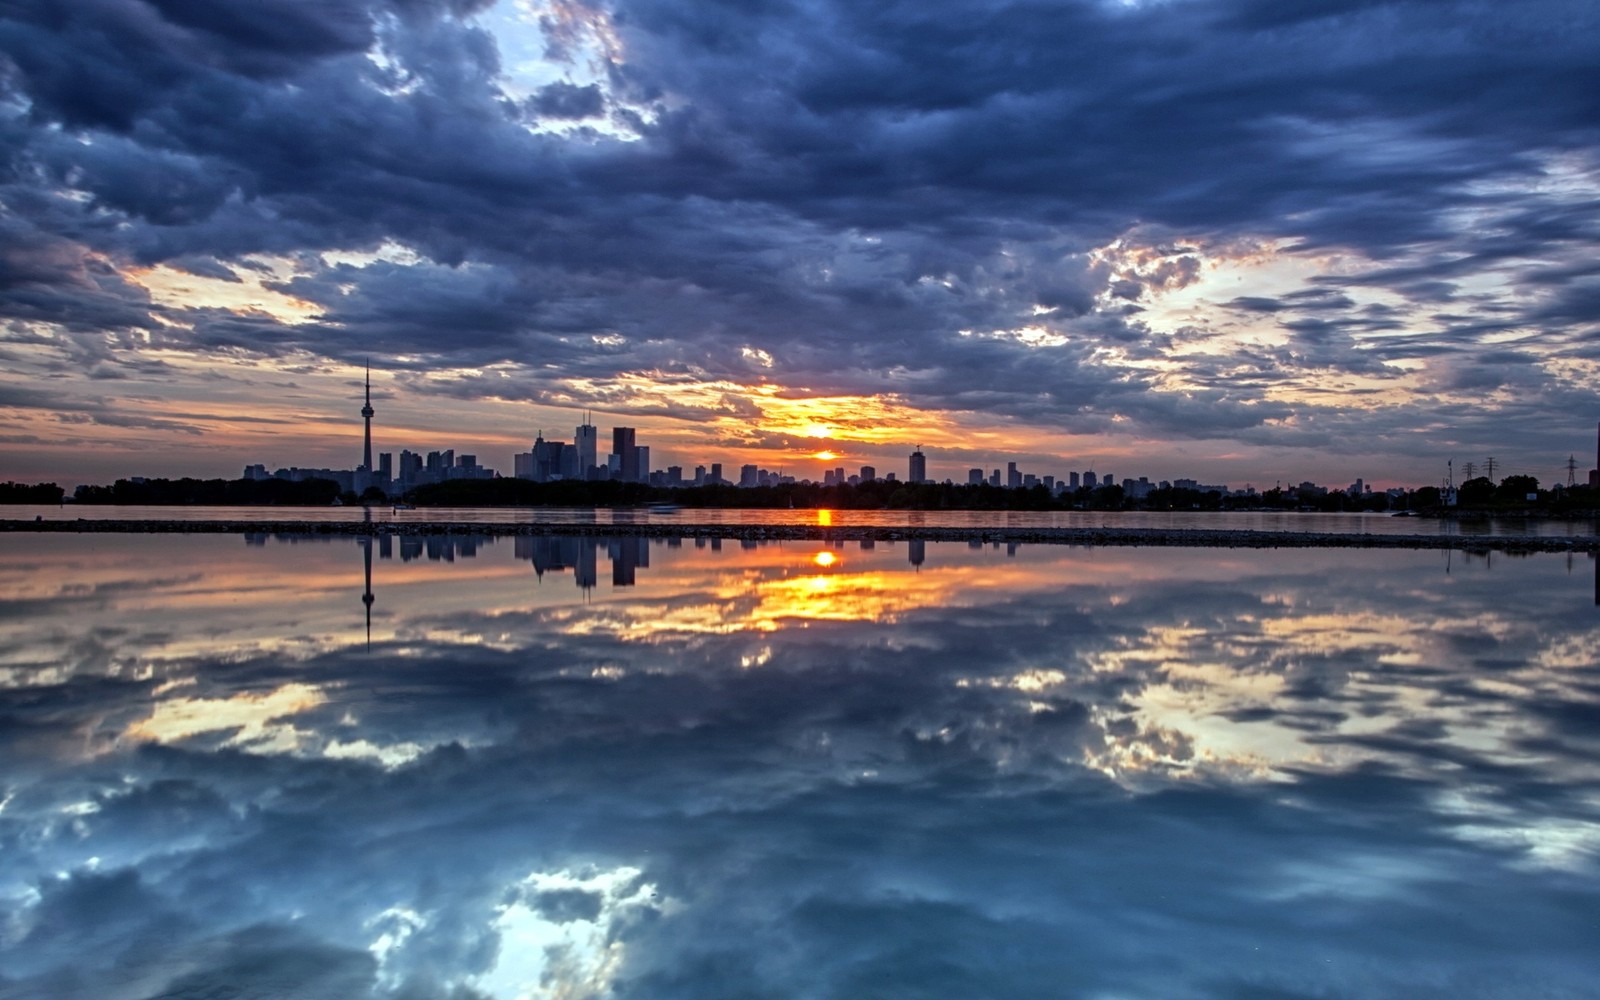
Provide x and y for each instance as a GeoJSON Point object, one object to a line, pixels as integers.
{"type": "Point", "coordinates": [366, 414]}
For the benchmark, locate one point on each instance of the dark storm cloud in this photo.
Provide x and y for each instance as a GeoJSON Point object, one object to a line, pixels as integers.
{"type": "Point", "coordinates": [567, 100]}
{"type": "Point", "coordinates": [848, 188]}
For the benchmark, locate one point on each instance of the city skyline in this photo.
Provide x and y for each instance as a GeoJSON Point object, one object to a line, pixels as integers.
{"type": "Point", "coordinates": [1232, 240]}
{"type": "Point", "coordinates": [556, 459]}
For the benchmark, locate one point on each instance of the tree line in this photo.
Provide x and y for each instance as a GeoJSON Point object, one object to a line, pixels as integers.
{"type": "Point", "coordinates": [31, 493]}
{"type": "Point", "coordinates": [1475, 495]}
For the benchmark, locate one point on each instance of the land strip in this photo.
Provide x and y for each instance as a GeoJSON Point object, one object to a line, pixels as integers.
{"type": "Point", "coordinates": [1194, 537]}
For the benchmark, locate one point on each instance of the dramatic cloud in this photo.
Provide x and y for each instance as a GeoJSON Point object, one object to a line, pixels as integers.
{"type": "Point", "coordinates": [1206, 223]}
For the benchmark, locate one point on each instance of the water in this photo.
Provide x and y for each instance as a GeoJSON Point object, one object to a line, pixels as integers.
{"type": "Point", "coordinates": [469, 767]}
{"type": "Point", "coordinates": [1218, 521]}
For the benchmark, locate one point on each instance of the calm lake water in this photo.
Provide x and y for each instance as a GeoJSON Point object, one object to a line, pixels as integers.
{"type": "Point", "coordinates": [566, 768]}
{"type": "Point", "coordinates": [1219, 521]}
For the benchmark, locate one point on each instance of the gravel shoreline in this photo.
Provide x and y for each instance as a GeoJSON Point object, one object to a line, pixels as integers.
{"type": "Point", "coordinates": [1196, 537]}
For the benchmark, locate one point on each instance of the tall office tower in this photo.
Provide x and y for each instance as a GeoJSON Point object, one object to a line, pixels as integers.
{"type": "Point", "coordinates": [1089, 478]}
{"type": "Point", "coordinates": [410, 466]}
{"type": "Point", "coordinates": [386, 466]}
{"type": "Point", "coordinates": [1049, 483]}
{"type": "Point", "coordinates": [642, 463]}
{"type": "Point", "coordinates": [974, 477]}
{"type": "Point", "coordinates": [868, 473]}
{"type": "Point", "coordinates": [674, 475]}
{"type": "Point", "coordinates": [623, 447]}
{"type": "Point", "coordinates": [1108, 480]}
{"type": "Point", "coordinates": [366, 415]}
{"type": "Point", "coordinates": [1072, 480]}
{"type": "Point", "coordinates": [534, 465]}
{"type": "Point", "coordinates": [919, 466]}
{"type": "Point", "coordinates": [1013, 477]}
{"type": "Point", "coordinates": [747, 476]}
{"type": "Point", "coordinates": [587, 442]}
{"type": "Point", "coordinates": [558, 455]}
{"type": "Point", "coordinates": [994, 478]}
{"type": "Point", "coordinates": [715, 476]}
{"type": "Point", "coordinates": [699, 475]}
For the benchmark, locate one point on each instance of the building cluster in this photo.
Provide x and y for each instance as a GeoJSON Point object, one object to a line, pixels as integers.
{"type": "Point", "coordinates": [626, 462]}
{"type": "Point", "coordinates": [415, 469]}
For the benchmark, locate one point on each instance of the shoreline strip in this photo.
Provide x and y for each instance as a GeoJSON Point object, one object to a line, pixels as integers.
{"type": "Point", "coordinates": [1188, 537]}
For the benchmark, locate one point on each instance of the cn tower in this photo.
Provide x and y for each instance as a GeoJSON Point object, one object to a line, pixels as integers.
{"type": "Point", "coordinates": [366, 414]}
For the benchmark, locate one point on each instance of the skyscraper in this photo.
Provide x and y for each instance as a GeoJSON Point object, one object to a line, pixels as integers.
{"type": "Point", "coordinates": [626, 451]}
{"type": "Point", "coordinates": [586, 440]}
{"type": "Point", "coordinates": [919, 466]}
{"type": "Point", "coordinates": [366, 415]}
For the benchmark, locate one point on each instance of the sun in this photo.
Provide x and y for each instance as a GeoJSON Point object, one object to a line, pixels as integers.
{"type": "Point", "coordinates": [825, 455]}
{"type": "Point", "coordinates": [817, 429]}
{"type": "Point", "coordinates": [825, 559]}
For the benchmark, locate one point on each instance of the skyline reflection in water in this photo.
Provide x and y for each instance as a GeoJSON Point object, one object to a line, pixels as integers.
{"type": "Point", "coordinates": [566, 767]}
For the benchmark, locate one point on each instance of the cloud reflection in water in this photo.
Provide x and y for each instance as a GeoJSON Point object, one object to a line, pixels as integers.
{"type": "Point", "coordinates": [731, 771]}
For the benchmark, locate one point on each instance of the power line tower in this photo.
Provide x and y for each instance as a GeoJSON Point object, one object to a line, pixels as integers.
{"type": "Point", "coordinates": [1572, 470]}
{"type": "Point", "coordinates": [1468, 469]}
{"type": "Point", "coordinates": [1488, 467]}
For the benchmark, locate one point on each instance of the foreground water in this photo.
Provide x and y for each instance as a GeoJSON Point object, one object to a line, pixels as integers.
{"type": "Point", "coordinates": [561, 768]}
{"type": "Point", "coordinates": [1371, 523]}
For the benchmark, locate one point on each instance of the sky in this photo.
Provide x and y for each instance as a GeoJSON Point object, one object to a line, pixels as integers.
{"type": "Point", "coordinates": [1241, 241]}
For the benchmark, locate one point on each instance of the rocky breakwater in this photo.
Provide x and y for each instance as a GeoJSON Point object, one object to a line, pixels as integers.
{"type": "Point", "coordinates": [1193, 537]}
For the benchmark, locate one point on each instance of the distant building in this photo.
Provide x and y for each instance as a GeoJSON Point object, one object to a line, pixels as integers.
{"type": "Point", "coordinates": [918, 471]}
{"type": "Point", "coordinates": [586, 439]}
{"type": "Point", "coordinates": [627, 452]}
{"type": "Point", "coordinates": [1013, 477]}
{"type": "Point", "coordinates": [868, 473]}
{"type": "Point", "coordinates": [974, 477]}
